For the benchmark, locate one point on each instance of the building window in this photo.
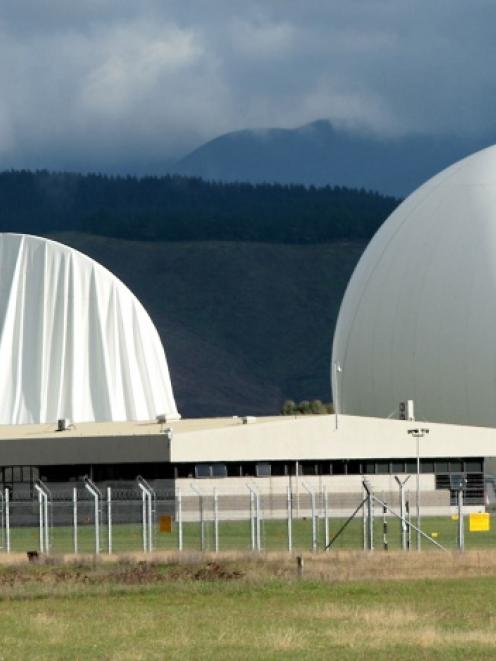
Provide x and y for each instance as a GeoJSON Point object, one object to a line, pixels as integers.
{"type": "Point", "coordinates": [219, 470]}
{"type": "Point", "coordinates": [202, 471]}
{"type": "Point", "coordinates": [263, 470]}
{"type": "Point", "coordinates": [473, 466]}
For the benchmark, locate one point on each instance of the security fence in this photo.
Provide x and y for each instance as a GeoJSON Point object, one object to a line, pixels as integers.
{"type": "Point", "coordinates": [86, 517]}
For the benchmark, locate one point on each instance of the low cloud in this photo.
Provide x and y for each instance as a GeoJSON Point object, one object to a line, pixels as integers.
{"type": "Point", "coordinates": [121, 86]}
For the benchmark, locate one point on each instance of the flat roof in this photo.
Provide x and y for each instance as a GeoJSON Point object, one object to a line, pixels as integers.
{"type": "Point", "coordinates": [277, 438]}
{"type": "Point", "coordinates": [129, 428]}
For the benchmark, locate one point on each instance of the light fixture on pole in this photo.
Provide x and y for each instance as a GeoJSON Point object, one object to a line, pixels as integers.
{"type": "Point", "coordinates": [418, 434]}
{"type": "Point", "coordinates": [336, 369]}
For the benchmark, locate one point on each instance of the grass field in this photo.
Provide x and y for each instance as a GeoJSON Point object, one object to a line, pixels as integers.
{"type": "Point", "coordinates": [348, 605]}
{"type": "Point", "coordinates": [235, 535]}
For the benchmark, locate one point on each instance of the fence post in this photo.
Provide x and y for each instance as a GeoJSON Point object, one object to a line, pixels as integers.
{"type": "Point", "coordinates": [409, 528]}
{"type": "Point", "coordinates": [461, 528]}
{"type": "Point", "coordinates": [7, 518]}
{"type": "Point", "coordinates": [143, 517]}
{"type": "Point", "coordinates": [3, 518]}
{"type": "Point", "coordinates": [40, 519]}
{"type": "Point", "coordinates": [179, 521]}
{"type": "Point", "coordinates": [254, 518]}
{"type": "Point", "coordinates": [109, 518]}
{"type": "Point", "coordinates": [290, 521]}
{"type": "Point", "coordinates": [74, 520]}
{"type": "Point", "coordinates": [364, 521]}
{"type": "Point", "coordinates": [43, 494]}
{"type": "Point", "coordinates": [216, 521]}
{"type": "Point", "coordinates": [370, 513]}
{"type": "Point", "coordinates": [404, 526]}
{"type": "Point", "coordinates": [326, 517]}
{"type": "Point", "coordinates": [311, 492]}
{"type": "Point", "coordinates": [147, 496]}
{"type": "Point", "coordinates": [91, 487]}
{"type": "Point", "coordinates": [370, 516]}
{"type": "Point", "coordinates": [202, 516]}
{"type": "Point", "coordinates": [385, 526]}
{"type": "Point", "coordinates": [257, 510]}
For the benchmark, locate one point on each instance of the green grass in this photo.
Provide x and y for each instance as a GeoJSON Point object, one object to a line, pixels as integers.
{"type": "Point", "coordinates": [235, 535]}
{"type": "Point", "coordinates": [263, 618]}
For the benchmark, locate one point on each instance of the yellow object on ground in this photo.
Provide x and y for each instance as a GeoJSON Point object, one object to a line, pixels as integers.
{"type": "Point", "coordinates": [454, 517]}
{"type": "Point", "coordinates": [166, 523]}
{"type": "Point", "coordinates": [479, 522]}
{"type": "Point", "coordinates": [434, 534]}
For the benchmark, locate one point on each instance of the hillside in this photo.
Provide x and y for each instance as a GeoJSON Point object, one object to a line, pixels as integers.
{"type": "Point", "coordinates": [175, 208]}
{"type": "Point", "coordinates": [245, 325]}
{"type": "Point", "coordinates": [243, 281]}
{"type": "Point", "coordinates": [320, 154]}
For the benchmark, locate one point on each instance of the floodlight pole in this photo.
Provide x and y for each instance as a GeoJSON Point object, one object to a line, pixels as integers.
{"type": "Point", "coordinates": [401, 484]}
{"type": "Point", "coordinates": [418, 434]}
{"type": "Point", "coordinates": [336, 369]}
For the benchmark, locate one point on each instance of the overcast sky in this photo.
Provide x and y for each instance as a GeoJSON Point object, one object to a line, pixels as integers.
{"type": "Point", "coordinates": [124, 85]}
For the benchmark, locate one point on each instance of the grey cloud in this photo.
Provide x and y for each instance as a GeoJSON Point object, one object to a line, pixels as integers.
{"type": "Point", "coordinates": [125, 86]}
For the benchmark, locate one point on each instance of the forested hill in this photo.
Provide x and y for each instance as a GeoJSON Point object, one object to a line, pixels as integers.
{"type": "Point", "coordinates": [177, 208]}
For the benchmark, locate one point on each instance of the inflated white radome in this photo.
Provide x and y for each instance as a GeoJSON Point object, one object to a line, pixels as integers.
{"type": "Point", "coordinates": [418, 320]}
{"type": "Point", "coordinates": [74, 341]}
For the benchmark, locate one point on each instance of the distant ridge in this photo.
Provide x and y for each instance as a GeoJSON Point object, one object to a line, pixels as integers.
{"type": "Point", "coordinates": [320, 154]}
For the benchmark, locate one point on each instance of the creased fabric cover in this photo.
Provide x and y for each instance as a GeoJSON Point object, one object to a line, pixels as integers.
{"type": "Point", "coordinates": [74, 341]}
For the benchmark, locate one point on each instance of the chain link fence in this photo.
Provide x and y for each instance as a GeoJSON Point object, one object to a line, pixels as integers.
{"type": "Point", "coordinates": [85, 517]}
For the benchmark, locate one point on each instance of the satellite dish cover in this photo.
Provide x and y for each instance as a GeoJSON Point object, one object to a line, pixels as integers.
{"type": "Point", "coordinates": [418, 320]}
{"type": "Point", "coordinates": [74, 341]}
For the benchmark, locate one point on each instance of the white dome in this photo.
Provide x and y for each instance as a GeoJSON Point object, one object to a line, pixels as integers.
{"type": "Point", "coordinates": [418, 320]}
{"type": "Point", "coordinates": [74, 341]}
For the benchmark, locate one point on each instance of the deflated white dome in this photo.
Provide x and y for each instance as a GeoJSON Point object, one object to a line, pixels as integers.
{"type": "Point", "coordinates": [74, 341]}
{"type": "Point", "coordinates": [418, 320]}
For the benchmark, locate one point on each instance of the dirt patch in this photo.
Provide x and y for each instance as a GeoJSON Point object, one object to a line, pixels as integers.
{"type": "Point", "coordinates": [125, 573]}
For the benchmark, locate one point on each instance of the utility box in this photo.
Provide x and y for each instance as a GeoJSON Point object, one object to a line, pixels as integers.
{"type": "Point", "coordinates": [407, 410]}
{"type": "Point", "coordinates": [479, 522]}
{"type": "Point", "coordinates": [166, 523]}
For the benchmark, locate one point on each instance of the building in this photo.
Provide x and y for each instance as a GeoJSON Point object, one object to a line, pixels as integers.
{"type": "Point", "coordinates": [416, 324]}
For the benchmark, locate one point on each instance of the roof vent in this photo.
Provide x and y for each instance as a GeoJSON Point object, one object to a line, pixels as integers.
{"type": "Point", "coordinates": [63, 424]}
{"type": "Point", "coordinates": [248, 419]}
